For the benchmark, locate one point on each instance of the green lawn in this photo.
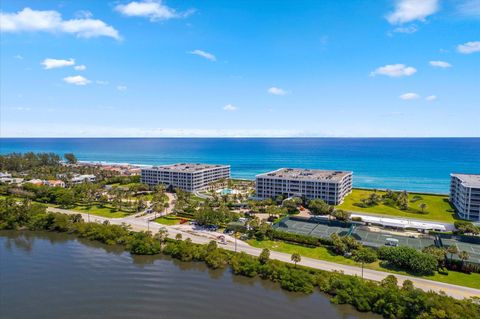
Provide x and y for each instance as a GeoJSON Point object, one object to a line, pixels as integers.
{"type": "Point", "coordinates": [100, 211]}
{"type": "Point", "coordinates": [168, 220]}
{"type": "Point", "coordinates": [438, 208]}
{"type": "Point", "coordinates": [322, 253]}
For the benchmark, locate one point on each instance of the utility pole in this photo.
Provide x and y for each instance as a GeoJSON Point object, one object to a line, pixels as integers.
{"type": "Point", "coordinates": [235, 235]}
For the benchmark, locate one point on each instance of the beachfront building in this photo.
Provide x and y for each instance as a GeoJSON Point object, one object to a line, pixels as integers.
{"type": "Point", "coordinates": [330, 186]}
{"type": "Point", "coordinates": [465, 195]}
{"type": "Point", "coordinates": [189, 177]}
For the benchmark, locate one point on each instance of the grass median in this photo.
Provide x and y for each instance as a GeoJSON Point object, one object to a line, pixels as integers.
{"type": "Point", "coordinates": [168, 220]}
{"type": "Point", "coordinates": [102, 211]}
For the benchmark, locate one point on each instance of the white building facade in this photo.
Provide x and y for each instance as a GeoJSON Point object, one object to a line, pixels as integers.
{"type": "Point", "coordinates": [188, 177]}
{"type": "Point", "coordinates": [465, 195]}
{"type": "Point", "coordinates": [330, 186]}
{"type": "Point", "coordinates": [78, 179]}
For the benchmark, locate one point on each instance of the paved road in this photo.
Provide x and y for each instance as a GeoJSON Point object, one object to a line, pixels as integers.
{"type": "Point", "coordinates": [203, 237]}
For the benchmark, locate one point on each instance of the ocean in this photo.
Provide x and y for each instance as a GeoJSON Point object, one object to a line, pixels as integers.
{"type": "Point", "coordinates": [414, 164]}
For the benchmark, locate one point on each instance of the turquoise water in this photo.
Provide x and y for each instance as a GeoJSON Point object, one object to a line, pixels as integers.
{"type": "Point", "coordinates": [418, 164]}
{"type": "Point", "coordinates": [226, 191]}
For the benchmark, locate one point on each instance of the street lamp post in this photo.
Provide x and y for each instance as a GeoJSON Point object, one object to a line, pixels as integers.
{"type": "Point", "coordinates": [148, 224]}
{"type": "Point", "coordinates": [235, 235]}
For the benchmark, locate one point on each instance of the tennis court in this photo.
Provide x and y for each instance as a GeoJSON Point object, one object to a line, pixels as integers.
{"type": "Point", "coordinates": [296, 226]}
{"type": "Point", "coordinates": [473, 250]}
{"type": "Point", "coordinates": [378, 239]}
{"type": "Point", "coordinates": [311, 228]}
{"type": "Point", "coordinates": [324, 229]}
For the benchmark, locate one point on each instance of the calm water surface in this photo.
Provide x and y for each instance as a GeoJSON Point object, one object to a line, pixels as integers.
{"type": "Point", "coordinates": [49, 275]}
{"type": "Point", "coordinates": [417, 164]}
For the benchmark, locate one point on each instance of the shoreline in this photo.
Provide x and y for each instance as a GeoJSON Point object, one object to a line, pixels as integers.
{"type": "Point", "coordinates": [455, 291]}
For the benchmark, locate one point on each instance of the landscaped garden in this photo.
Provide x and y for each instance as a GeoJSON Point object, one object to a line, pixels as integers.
{"type": "Point", "coordinates": [421, 206]}
{"type": "Point", "coordinates": [169, 220]}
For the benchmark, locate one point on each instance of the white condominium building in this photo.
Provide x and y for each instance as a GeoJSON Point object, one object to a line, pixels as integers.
{"type": "Point", "coordinates": [189, 177]}
{"type": "Point", "coordinates": [465, 195]}
{"type": "Point", "coordinates": [330, 186]}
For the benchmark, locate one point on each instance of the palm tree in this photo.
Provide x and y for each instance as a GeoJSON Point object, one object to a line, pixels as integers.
{"type": "Point", "coordinates": [161, 236]}
{"type": "Point", "coordinates": [296, 258]}
{"type": "Point", "coordinates": [423, 206]}
{"type": "Point", "coordinates": [178, 237]}
{"type": "Point", "coordinates": [452, 250]}
{"type": "Point", "coordinates": [463, 255]}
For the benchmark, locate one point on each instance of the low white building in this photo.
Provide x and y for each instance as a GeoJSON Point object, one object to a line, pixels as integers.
{"type": "Point", "coordinates": [55, 183]}
{"type": "Point", "coordinates": [5, 178]}
{"type": "Point", "coordinates": [78, 179]}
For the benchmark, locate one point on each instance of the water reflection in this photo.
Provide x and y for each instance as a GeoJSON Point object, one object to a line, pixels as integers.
{"type": "Point", "coordinates": [84, 279]}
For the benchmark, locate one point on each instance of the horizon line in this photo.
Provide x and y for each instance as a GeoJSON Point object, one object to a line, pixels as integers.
{"type": "Point", "coordinates": [237, 137]}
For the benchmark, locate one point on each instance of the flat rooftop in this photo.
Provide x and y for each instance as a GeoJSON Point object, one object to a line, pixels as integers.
{"type": "Point", "coordinates": [469, 180]}
{"type": "Point", "coordinates": [187, 167]}
{"type": "Point", "coordinates": [307, 174]}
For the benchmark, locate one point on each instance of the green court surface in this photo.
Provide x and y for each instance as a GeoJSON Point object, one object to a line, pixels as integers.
{"type": "Point", "coordinates": [310, 228]}
{"type": "Point", "coordinates": [473, 250]}
{"type": "Point", "coordinates": [377, 239]}
{"type": "Point", "coordinates": [324, 229]}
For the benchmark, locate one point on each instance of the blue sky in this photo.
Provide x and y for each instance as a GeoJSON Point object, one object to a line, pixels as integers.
{"type": "Point", "coordinates": [240, 68]}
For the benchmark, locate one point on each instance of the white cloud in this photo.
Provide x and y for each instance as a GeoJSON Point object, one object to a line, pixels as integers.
{"type": "Point", "coordinates": [409, 96]}
{"type": "Point", "coordinates": [18, 56]}
{"type": "Point", "coordinates": [80, 67]}
{"type": "Point", "coordinates": [469, 47]}
{"type": "Point", "coordinates": [470, 8]}
{"type": "Point", "coordinates": [29, 20]}
{"type": "Point", "coordinates": [153, 10]}
{"type": "Point", "coordinates": [440, 64]}
{"type": "Point", "coordinates": [276, 91]}
{"type": "Point", "coordinates": [204, 54]}
{"type": "Point", "coordinates": [42, 129]}
{"type": "Point", "coordinates": [122, 87]}
{"type": "Point", "coordinates": [408, 29]}
{"type": "Point", "coordinates": [230, 107]}
{"type": "Point", "coordinates": [394, 70]}
{"type": "Point", "coordinates": [76, 80]}
{"type": "Point", "coordinates": [102, 82]}
{"type": "Point", "coordinates": [56, 63]}
{"type": "Point", "coordinates": [83, 14]}
{"type": "Point", "coordinates": [411, 10]}
{"type": "Point", "coordinates": [431, 98]}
